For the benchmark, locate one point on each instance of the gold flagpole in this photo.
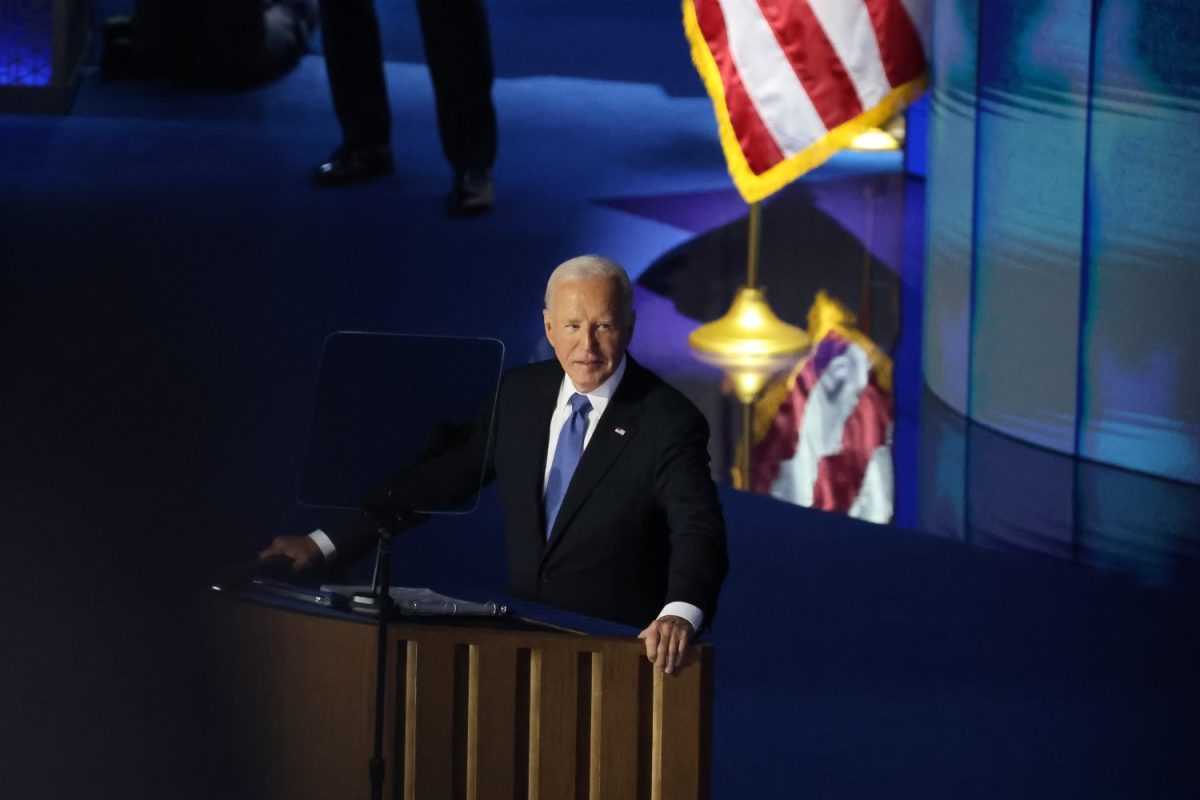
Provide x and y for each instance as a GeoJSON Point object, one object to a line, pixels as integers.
{"type": "Point", "coordinates": [749, 343]}
{"type": "Point", "coordinates": [753, 244]}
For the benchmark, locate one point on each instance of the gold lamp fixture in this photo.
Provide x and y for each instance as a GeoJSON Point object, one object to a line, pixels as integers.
{"type": "Point", "coordinates": [875, 139]}
{"type": "Point", "coordinates": [889, 136]}
{"type": "Point", "coordinates": [749, 344]}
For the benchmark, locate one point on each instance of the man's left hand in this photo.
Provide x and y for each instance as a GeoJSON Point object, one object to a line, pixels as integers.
{"type": "Point", "coordinates": [666, 640]}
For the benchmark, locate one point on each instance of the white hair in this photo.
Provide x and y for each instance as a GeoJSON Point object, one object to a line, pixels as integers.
{"type": "Point", "coordinates": [591, 267]}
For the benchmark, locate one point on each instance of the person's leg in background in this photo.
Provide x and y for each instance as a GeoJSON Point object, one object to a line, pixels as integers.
{"type": "Point", "coordinates": [459, 53]}
{"type": "Point", "coordinates": [354, 63]}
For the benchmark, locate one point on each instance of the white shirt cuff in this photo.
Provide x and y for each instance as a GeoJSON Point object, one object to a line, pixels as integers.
{"type": "Point", "coordinates": [686, 610]}
{"type": "Point", "coordinates": [325, 543]}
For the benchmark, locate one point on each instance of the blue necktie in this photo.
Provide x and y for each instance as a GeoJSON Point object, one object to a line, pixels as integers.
{"type": "Point", "coordinates": [566, 457]}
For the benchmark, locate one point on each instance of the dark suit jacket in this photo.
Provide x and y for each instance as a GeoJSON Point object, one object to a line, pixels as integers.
{"type": "Point", "coordinates": [640, 525]}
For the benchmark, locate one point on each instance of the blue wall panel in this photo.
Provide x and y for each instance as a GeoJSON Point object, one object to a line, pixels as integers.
{"type": "Point", "coordinates": [950, 202]}
{"type": "Point", "coordinates": [26, 42]}
{"type": "Point", "coordinates": [1032, 133]}
{"type": "Point", "coordinates": [1141, 374]}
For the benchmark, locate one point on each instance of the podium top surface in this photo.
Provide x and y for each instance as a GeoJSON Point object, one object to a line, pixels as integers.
{"type": "Point", "coordinates": [521, 615]}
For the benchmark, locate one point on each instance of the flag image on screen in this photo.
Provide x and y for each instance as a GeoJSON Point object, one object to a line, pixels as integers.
{"type": "Point", "coordinates": [823, 435]}
{"type": "Point", "coordinates": [794, 81]}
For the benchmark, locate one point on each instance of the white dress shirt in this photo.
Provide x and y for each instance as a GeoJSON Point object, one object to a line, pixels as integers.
{"type": "Point", "coordinates": [598, 397]}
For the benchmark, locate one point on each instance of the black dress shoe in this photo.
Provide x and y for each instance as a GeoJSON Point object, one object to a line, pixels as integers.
{"type": "Point", "coordinates": [471, 194]}
{"type": "Point", "coordinates": [353, 164]}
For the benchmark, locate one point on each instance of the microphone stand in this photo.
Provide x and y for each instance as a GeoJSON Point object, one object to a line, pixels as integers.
{"type": "Point", "coordinates": [388, 523]}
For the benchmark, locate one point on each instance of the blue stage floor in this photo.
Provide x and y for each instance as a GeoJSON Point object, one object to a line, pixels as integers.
{"type": "Point", "coordinates": [169, 277]}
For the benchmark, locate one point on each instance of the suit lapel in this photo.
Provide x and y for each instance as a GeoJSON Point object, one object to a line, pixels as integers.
{"type": "Point", "coordinates": [615, 428]}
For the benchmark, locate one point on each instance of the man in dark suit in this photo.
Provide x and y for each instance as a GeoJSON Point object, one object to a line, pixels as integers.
{"type": "Point", "coordinates": [610, 509]}
{"type": "Point", "coordinates": [458, 52]}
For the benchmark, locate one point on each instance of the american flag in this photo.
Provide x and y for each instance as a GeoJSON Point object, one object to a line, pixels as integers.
{"type": "Point", "coordinates": [794, 81]}
{"type": "Point", "coordinates": [825, 434]}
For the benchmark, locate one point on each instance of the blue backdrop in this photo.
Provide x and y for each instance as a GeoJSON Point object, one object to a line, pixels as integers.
{"type": "Point", "coordinates": [1061, 270]}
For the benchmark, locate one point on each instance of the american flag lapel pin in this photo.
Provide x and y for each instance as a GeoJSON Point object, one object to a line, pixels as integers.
{"type": "Point", "coordinates": [620, 431]}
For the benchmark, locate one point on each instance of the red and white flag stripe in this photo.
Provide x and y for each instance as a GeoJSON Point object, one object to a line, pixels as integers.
{"type": "Point", "coordinates": [828, 444]}
{"type": "Point", "coordinates": [793, 81]}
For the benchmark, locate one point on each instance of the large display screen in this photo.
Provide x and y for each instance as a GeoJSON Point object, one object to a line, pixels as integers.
{"type": "Point", "coordinates": [26, 42]}
{"type": "Point", "coordinates": [1063, 260]}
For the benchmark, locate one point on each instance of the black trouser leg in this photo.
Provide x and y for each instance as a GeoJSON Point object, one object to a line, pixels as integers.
{"type": "Point", "coordinates": [459, 53]}
{"type": "Point", "coordinates": [354, 63]}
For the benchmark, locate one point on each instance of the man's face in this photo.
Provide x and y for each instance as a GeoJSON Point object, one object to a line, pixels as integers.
{"type": "Point", "coordinates": [585, 325]}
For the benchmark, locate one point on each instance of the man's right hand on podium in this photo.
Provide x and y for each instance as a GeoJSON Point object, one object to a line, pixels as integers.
{"type": "Point", "coordinates": [302, 550]}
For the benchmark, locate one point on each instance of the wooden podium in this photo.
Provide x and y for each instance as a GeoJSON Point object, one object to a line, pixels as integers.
{"type": "Point", "coordinates": [520, 707]}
